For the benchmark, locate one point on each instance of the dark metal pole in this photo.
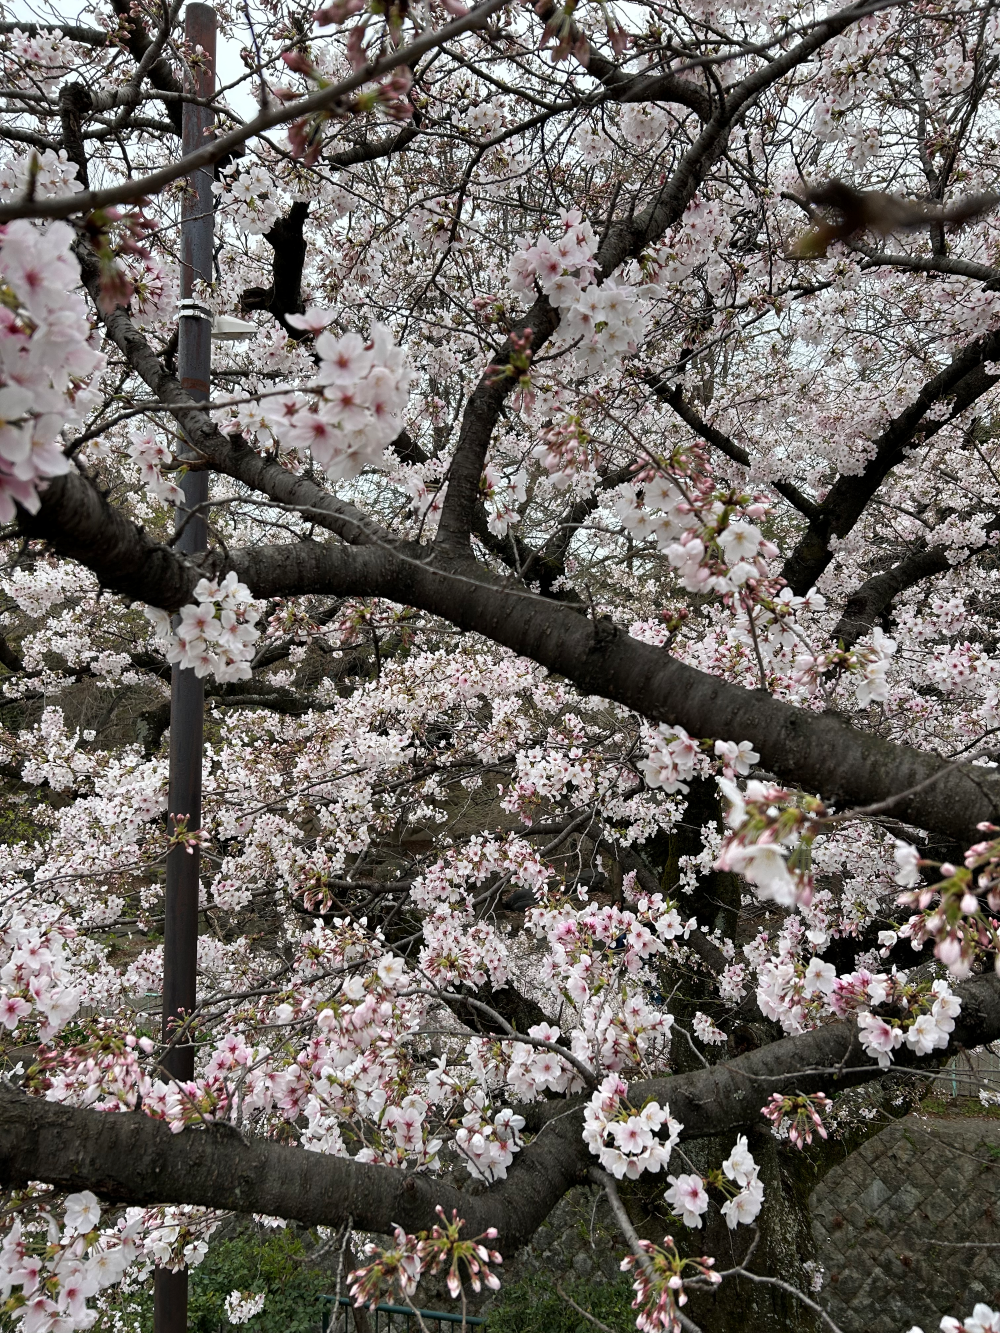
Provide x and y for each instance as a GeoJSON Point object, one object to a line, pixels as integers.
{"type": "Point", "coordinates": [187, 692]}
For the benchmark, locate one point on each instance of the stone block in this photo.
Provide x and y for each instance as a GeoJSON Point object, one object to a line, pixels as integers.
{"type": "Point", "coordinates": [939, 1206]}
{"type": "Point", "coordinates": [873, 1196]}
{"type": "Point", "coordinates": [849, 1283]}
{"type": "Point", "coordinates": [583, 1264]}
{"type": "Point", "coordinates": [919, 1180]}
{"type": "Point", "coordinates": [902, 1204]}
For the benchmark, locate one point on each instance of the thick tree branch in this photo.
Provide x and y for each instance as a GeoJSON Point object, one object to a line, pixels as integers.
{"type": "Point", "coordinates": [961, 382]}
{"type": "Point", "coordinates": [27, 136]}
{"type": "Point", "coordinates": [867, 602]}
{"type": "Point", "coordinates": [284, 296]}
{"type": "Point", "coordinates": [160, 75]}
{"type": "Point", "coordinates": [74, 104]}
{"type": "Point", "coordinates": [76, 32]}
{"type": "Point", "coordinates": [946, 264]}
{"type": "Point", "coordinates": [8, 657]}
{"type": "Point", "coordinates": [371, 152]}
{"type": "Point", "coordinates": [674, 396]}
{"type": "Point", "coordinates": [817, 751]}
{"type": "Point", "coordinates": [77, 521]}
{"type": "Point", "coordinates": [130, 1159]}
{"type": "Point", "coordinates": [622, 87]}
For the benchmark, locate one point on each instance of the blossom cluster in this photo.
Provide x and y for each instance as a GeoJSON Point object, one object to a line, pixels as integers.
{"type": "Point", "coordinates": [798, 997]}
{"type": "Point", "coordinates": [50, 1271]}
{"type": "Point", "coordinates": [77, 1262]}
{"type": "Point", "coordinates": [38, 59]}
{"type": "Point", "coordinates": [708, 535]}
{"type": "Point", "coordinates": [798, 1115]}
{"type": "Point", "coordinates": [951, 912]}
{"type": "Point", "coordinates": [48, 173]}
{"type": "Point", "coordinates": [46, 355]}
{"type": "Point", "coordinates": [396, 1271]}
{"type": "Point", "coordinates": [602, 323]}
{"type": "Point", "coordinates": [761, 844]}
{"type": "Point", "coordinates": [215, 634]}
{"type": "Point", "coordinates": [242, 1306]}
{"type": "Point", "coordinates": [37, 987]}
{"type": "Point", "coordinates": [363, 390]}
{"type": "Point", "coordinates": [706, 1031]}
{"type": "Point", "coordinates": [928, 1027]}
{"type": "Point", "coordinates": [487, 1143]}
{"type": "Point", "coordinates": [247, 199]}
{"type": "Point", "coordinates": [658, 1282]}
{"type": "Point", "coordinates": [744, 1173]}
{"type": "Point", "coordinates": [568, 455]}
{"type": "Point", "coordinates": [501, 494]}
{"type": "Point", "coordinates": [673, 758]}
{"type": "Point", "coordinates": [152, 456]}
{"type": "Point", "coordinates": [624, 1140]}
{"type": "Point", "coordinates": [982, 1320]}
{"type": "Point", "coordinates": [773, 832]}
{"type": "Point", "coordinates": [739, 1181]}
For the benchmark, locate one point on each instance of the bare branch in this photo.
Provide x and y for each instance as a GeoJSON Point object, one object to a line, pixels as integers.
{"type": "Point", "coordinates": [325, 99]}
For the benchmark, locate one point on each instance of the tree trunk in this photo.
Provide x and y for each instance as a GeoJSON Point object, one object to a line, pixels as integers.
{"type": "Point", "coordinates": [783, 1234]}
{"type": "Point", "coordinates": [784, 1245]}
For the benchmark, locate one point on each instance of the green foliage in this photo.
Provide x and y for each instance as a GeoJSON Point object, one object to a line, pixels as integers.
{"type": "Point", "coordinates": [17, 816]}
{"type": "Point", "coordinates": [252, 1261]}
{"type": "Point", "coordinates": [533, 1305]}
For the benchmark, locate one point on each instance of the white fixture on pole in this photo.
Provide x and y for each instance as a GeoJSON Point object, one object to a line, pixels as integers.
{"type": "Point", "coordinates": [229, 329]}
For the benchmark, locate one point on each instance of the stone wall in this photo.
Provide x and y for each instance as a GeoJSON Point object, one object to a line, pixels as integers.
{"type": "Point", "coordinates": [897, 1226]}
{"type": "Point", "coordinates": [579, 1239]}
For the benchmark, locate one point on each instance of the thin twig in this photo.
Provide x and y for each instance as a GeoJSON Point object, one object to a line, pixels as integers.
{"type": "Point", "coordinates": [607, 1183]}
{"type": "Point", "coordinates": [785, 1286]}
{"type": "Point", "coordinates": [580, 1310]}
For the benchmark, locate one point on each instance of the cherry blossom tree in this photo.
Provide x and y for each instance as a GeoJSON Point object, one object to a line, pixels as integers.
{"type": "Point", "coordinates": [596, 628]}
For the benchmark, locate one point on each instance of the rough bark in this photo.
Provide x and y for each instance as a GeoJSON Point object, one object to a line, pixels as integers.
{"type": "Point", "coordinates": [784, 1244]}
{"type": "Point", "coordinates": [284, 296]}
{"type": "Point", "coordinates": [74, 105]}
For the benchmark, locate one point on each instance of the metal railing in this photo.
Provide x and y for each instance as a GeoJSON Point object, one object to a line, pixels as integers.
{"type": "Point", "coordinates": [339, 1317]}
